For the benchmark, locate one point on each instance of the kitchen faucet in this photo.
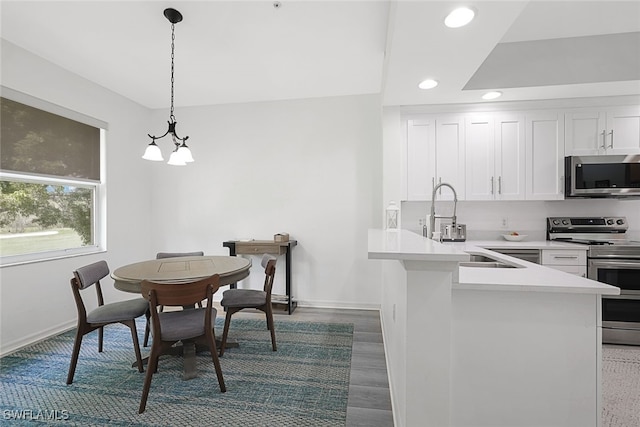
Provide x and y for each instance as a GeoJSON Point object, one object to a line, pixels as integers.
{"type": "Point", "coordinates": [432, 217]}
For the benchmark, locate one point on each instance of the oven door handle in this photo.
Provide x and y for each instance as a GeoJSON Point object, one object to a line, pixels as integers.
{"type": "Point", "coordinates": [614, 264]}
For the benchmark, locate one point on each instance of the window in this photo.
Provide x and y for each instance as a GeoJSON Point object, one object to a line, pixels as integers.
{"type": "Point", "coordinates": [50, 181]}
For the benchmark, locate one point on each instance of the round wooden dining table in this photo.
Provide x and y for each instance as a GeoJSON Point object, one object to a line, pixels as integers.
{"type": "Point", "coordinates": [181, 269]}
{"type": "Point", "coordinates": [231, 269]}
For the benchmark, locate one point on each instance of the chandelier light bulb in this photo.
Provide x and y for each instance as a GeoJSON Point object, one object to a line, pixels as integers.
{"type": "Point", "coordinates": [153, 153]}
{"type": "Point", "coordinates": [176, 159]}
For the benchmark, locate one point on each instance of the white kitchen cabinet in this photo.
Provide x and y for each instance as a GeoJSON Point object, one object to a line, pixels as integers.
{"type": "Point", "coordinates": [623, 130]}
{"type": "Point", "coordinates": [572, 261]}
{"type": "Point", "coordinates": [495, 156]}
{"type": "Point", "coordinates": [544, 155]}
{"type": "Point", "coordinates": [613, 130]}
{"type": "Point", "coordinates": [434, 154]}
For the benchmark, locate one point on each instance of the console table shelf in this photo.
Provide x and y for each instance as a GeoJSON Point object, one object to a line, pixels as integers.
{"type": "Point", "coordinates": [259, 247]}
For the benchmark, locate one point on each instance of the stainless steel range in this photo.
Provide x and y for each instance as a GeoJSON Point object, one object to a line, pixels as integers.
{"type": "Point", "coordinates": [611, 259]}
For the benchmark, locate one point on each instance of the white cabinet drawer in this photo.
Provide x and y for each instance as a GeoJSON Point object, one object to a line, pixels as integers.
{"type": "Point", "coordinates": [578, 270]}
{"type": "Point", "coordinates": [564, 257]}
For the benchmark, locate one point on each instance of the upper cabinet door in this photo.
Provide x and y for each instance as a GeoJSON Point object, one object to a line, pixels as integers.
{"type": "Point", "coordinates": [585, 133]}
{"type": "Point", "coordinates": [481, 181]}
{"type": "Point", "coordinates": [545, 155]}
{"type": "Point", "coordinates": [420, 158]}
{"type": "Point", "coordinates": [623, 130]}
{"type": "Point", "coordinates": [510, 156]}
{"type": "Point", "coordinates": [450, 143]}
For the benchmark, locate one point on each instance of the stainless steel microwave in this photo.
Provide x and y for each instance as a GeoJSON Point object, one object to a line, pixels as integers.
{"type": "Point", "coordinates": [602, 176]}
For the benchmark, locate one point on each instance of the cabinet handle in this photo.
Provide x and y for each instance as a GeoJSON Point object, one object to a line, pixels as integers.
{"type": "Point", "coordinates": [499, 185]}
{"type": "Point", "coordinates": [491, 185]}
{"type": "Point", "coordinates": [611, 140]}
{"type": "Point", "coordinates": [562, 184]}
{"type": "Point", "coordinates": [604, 140]}
{"type": "Point", "coordinates": [565, 256]}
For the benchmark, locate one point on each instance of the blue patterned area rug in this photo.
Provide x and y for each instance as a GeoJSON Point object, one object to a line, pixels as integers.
{"type": "Point", "coordinates": [304, 383]}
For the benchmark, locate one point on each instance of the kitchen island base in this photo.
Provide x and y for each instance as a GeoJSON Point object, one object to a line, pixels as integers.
{"type": "Point", "coordinates": [525, 359]}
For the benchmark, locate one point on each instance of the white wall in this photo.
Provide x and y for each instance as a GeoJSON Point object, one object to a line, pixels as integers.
{"type": "Point", "coordinates": [311, 168]}
{"type": "Point", "coordinates": [36, 298]}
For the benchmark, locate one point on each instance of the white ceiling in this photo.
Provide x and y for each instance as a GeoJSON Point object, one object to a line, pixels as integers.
{"type": "Point", "coordinates": [246, 51]}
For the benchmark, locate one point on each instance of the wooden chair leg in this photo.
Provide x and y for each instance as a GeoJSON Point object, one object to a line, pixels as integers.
{"type": "Point", "coordinates": [211, 339]}
{"type": "Point", "coordinates": [100, 338]}
{"type": "Point", "coordinates": [74, 355]}
{"type": "Point", "coordinates": [151, 369]}
{"type": "Point", "coordinates": [147, 331]}
{"type": "Point", "coordinates": [271, 328]}
{"type": "Point", "coordinates": [225, 332]}
{"type": "Point", "coordinates": [136, 345]}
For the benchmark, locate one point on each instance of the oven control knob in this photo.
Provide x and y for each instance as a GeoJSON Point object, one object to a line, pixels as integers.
{"type": "Point", "coordinates": [610, 221]}
{"type": "Point", "coordinates": [556, 222]}
{"type": "Point", "coordinates": [620, 222]}
{"type": "Point", "coordinates": [565, 222]}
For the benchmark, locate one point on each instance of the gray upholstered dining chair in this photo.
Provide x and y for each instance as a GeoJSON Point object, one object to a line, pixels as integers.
{"type": "Point", "coordinates": [234, 300]}
{"type": "Point", "coordinates": [188, 325]}
{"type": "Point", "coordinates": [162, 255]}
{"type": "Point", "coordinates": [124, 312]}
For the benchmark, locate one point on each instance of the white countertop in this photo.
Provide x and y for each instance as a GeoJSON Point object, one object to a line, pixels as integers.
{"type": "Point", "coordinates": [406, 245]}
{"type": "Point", "coordinates": [409, 246]}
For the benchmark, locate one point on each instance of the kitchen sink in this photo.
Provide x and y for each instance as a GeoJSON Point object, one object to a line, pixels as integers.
{"type": "Point", "coordinates": [485, 264]}
{"type": "Point", "coordinates": [485, 261]}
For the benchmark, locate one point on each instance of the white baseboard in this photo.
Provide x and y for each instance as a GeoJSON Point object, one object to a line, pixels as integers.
{"type": "Point", "coordinates": [22, 342]}
{"type": "Point", "coordinates": [338, 304]}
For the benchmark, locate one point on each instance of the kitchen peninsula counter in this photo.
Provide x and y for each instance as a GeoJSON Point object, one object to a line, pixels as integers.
{"type": "Point", "coordinates": [471, 346]}
{"type": "Point", "coordinates": [404, 245]}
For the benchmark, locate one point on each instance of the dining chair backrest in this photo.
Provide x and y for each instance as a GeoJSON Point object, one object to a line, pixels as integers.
{"type": "Point", "coordinates": [269, 264]}
{"type": "Point", "coordinates": [91, 274]}
{"type": "Point", "coordinates": [161, 255]}
{"type": "Point", "coordinates": [181, 294]}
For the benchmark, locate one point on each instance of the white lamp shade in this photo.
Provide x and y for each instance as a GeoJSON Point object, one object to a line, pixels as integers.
{"type": "Point", "coordinates": [176, 159]}
{"type": "Point", "coordinates": [153, 153]}
{"type": "Point", "coordinates": [185, 153]}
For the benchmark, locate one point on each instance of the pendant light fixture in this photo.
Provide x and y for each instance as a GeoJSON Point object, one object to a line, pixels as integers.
{"type": "Point", "coordinates": [181, 155]}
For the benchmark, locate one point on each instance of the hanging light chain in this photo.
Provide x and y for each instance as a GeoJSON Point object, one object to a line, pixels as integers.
{"type": "Point", "coordinates": [173, 38]}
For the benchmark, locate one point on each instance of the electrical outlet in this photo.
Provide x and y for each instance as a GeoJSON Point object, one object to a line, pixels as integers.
{"type": "Point", "coordinates": [505, 223]}
{"type": "Point", "coordinates": [420, 223]}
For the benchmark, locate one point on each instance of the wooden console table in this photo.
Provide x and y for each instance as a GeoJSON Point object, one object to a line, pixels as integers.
{"type": "Point", "coordinates": [259, 247]}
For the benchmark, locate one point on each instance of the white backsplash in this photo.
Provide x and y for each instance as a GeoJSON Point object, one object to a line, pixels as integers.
{"type": "Point", "coordinates": [484, 220]}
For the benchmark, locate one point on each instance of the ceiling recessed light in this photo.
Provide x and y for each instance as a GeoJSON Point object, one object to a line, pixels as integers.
{"type": "Point", "coordinates": [492, 95]}
{"type": "Point", "coordinates": [459, 17]}
{"type": "Point", "coordinates": [428, 84]}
